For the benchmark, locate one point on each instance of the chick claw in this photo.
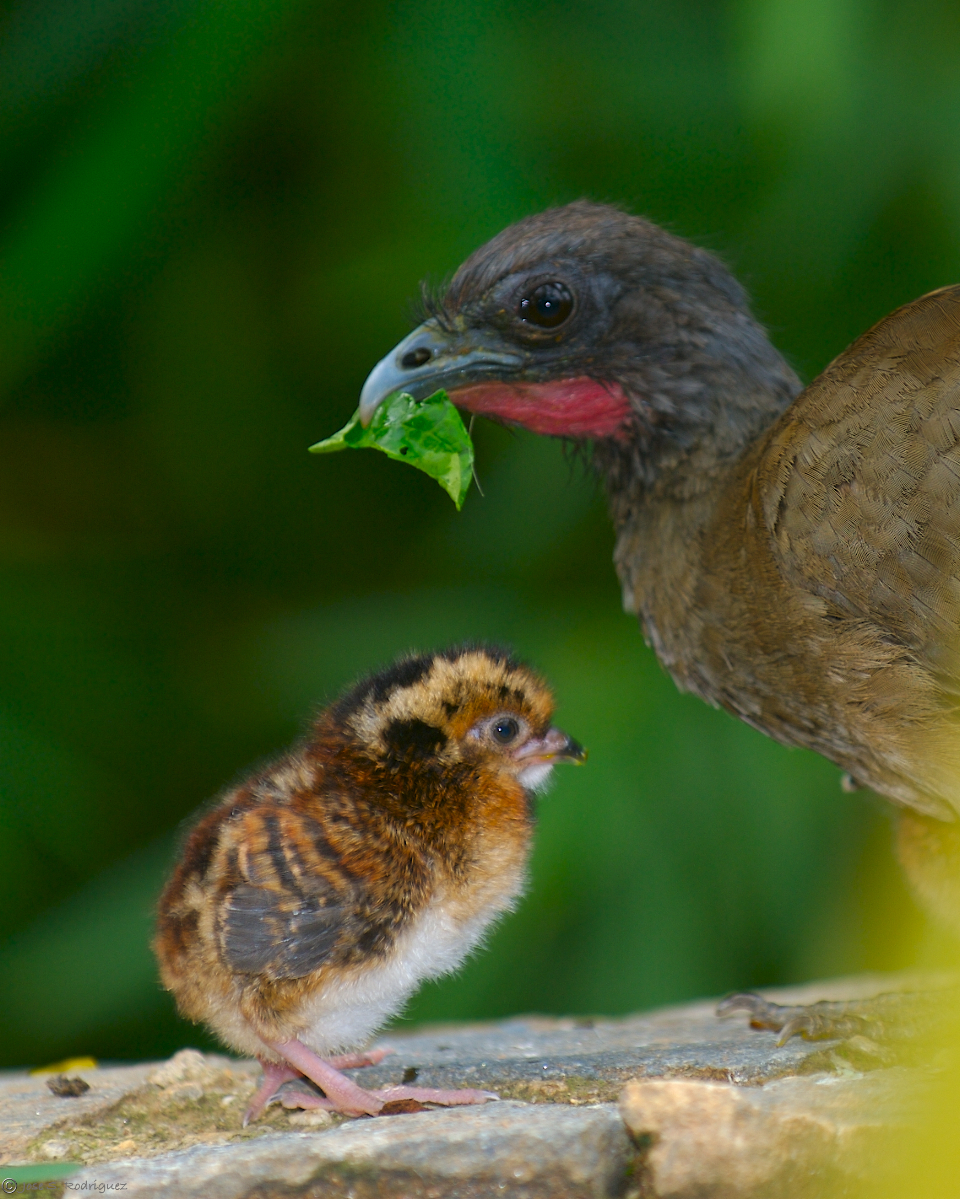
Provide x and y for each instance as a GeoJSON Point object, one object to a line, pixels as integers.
{"type": "Point", "coordinates": [275, 1074]}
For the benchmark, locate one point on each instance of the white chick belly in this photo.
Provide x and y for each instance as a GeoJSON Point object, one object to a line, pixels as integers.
{"type": "Point", "coordinates": [350, 1009]}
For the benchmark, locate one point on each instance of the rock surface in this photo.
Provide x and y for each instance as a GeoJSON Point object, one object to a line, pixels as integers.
{"type": "Point", "coordinates": [512, 1148]}
{"type": "Point", "coordinates": [714, 1109]}
{"type": "Point", "coordinates": [805, 1138]}
{"type": "Point", "coordinates": [28, 1108]}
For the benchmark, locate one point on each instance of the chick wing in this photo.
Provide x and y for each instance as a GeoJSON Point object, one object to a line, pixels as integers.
{"type": "Point", "coordinates": [289, 905]}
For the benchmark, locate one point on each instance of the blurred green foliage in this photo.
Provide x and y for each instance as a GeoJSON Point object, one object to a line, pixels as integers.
{"type": "Point", "coordinates": [212, 220]}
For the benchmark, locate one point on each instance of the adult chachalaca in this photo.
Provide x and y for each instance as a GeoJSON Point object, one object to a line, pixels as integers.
{"type": "Point", "coordinates": [793, 554]}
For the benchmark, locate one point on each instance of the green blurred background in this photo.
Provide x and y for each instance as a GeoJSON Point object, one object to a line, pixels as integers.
{"type": "Point", "coordinates": [213, 218]}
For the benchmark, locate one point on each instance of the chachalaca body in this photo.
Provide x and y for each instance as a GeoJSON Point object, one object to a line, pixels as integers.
{"type": "Point", "coordinates": [793, 554]}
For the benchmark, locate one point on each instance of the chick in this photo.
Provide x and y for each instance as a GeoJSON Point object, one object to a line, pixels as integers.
{"type": "Point", "coordinates": [314, 898]}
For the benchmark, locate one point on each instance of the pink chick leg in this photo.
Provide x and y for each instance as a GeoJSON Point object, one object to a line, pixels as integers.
{"type": "Point", "coordinates": [343, 1095]}
{"type": "Point", "coordinates": [461, 1096]}
{"type": "Point", "coordinates": [351, 1061]}
{"type": "Point", "coordinates": [275, 1074]}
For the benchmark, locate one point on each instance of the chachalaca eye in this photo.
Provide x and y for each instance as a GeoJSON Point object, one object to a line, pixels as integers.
{"type": "Point", "coordinates": [547, 306]}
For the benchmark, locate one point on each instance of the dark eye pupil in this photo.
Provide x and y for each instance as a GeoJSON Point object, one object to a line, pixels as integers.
{"type": "Point", "coordinates": [505, 730]}
{"type": "Point", "coordinates": [548, 306]}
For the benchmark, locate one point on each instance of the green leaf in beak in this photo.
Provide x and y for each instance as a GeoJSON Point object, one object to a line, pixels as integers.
{"type": "Point", "coordinates": [428, 434]}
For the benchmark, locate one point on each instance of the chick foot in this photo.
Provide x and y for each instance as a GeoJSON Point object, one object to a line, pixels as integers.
{"type": "Point", "coordinates": [872, 1025]}
{"type": "Point", "coordinates": [341, 1094]}
{"type": "Point", "coordinates": [275, 1074]}
{"type": "Point", "coordinates": [462, 1096]}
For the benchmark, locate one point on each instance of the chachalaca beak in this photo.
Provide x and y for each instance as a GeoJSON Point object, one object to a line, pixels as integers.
{"type": "Point", "coordinates": [431, 358]}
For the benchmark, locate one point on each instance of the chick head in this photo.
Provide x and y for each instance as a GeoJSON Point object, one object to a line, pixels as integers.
{"type": "Point", "coordinates": [472, 705]}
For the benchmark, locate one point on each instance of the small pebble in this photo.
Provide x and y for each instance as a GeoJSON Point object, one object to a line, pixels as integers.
{"type": "Point", "coordinates": [67, 1088]}
{"type": "Point", "coordinates": [316, 1118]}
{"type": "Point", "coordinates": [55, 1150]}
{"type": "Point", "coordinates": [189, 1065]}
{"type": "Point", "coordinates": [125, 1147]}
{"type": "Point", "coordinates": [402, 1107]}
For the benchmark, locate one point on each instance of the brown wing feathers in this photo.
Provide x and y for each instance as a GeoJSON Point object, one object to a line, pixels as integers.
{"type": "Point", "coordinates": [831, 615]}
{"type": "Point", "coordinates": [861, 479]}
{"type": "Point", "coordinates": [279, 935]}
{"type": "Point", "coordinates": [289, 890]}
{"type": "Point", "coordinates": [293, 904]}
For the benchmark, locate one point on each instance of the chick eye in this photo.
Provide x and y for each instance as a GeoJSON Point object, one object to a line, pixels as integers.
{"type": "Point", "coordinates": [505, 730]}
{"type": "Point", "coordinates": [547, 306]}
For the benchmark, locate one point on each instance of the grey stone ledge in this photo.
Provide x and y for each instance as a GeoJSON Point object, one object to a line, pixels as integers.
{"type": "Point", "coordinates": [521, 1149]}
{"type": "Point", "coordinates": [709, 1109]}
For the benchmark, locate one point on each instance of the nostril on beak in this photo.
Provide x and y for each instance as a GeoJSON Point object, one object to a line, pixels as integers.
{"type": "Point", "coordinates": [415, 358]}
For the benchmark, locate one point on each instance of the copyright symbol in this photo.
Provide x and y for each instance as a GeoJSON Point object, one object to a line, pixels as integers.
{"type": "Point", "coordinates": [9, 1186]}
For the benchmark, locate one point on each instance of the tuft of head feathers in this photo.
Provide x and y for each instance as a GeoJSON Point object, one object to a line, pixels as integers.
{"type": "Point", "coordinates": [425, 706]}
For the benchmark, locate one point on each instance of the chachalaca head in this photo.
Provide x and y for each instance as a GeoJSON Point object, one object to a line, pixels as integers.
{"type": "Point", "coordinates": [586, 322]}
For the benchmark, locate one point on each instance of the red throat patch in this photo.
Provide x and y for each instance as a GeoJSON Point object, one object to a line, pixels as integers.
{"type": "Point", "coordinates": [577, 407]}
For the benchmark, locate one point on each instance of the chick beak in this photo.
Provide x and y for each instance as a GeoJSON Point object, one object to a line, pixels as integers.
{"type": "Point", "coordinates": [553, 746]}
{"type": "Point", "coordinates": [431, 358]}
